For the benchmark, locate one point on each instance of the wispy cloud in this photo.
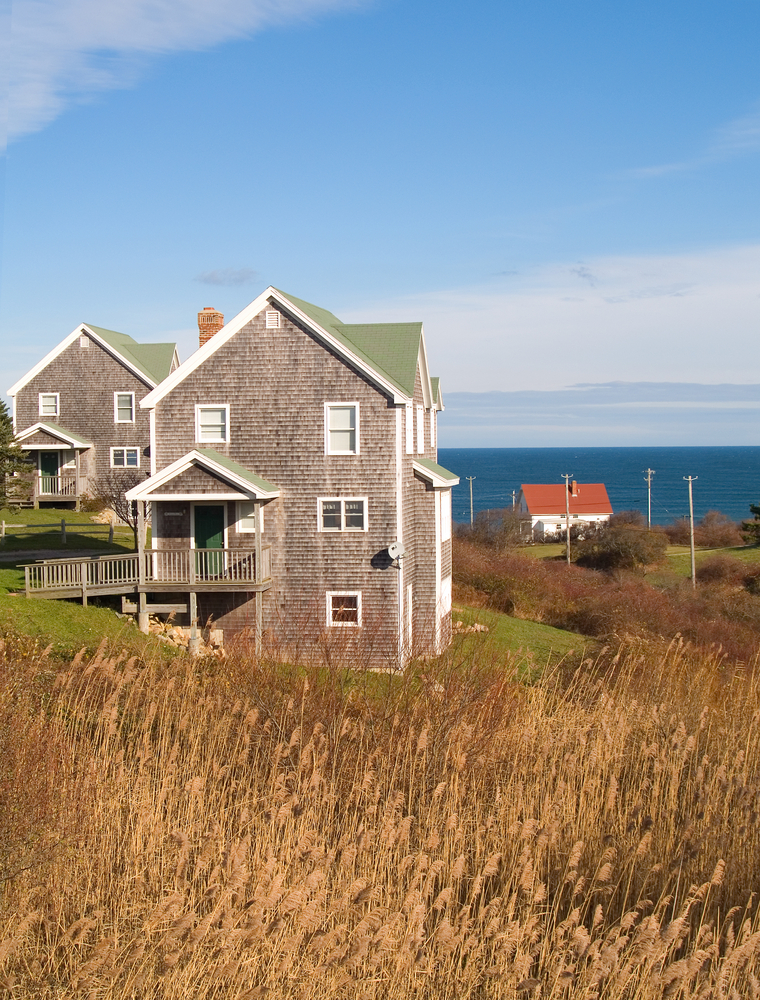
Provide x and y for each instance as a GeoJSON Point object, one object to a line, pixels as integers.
{"type": "Point", "coordinates": [680, 318]}
{"type": "Point", "coordinates": [737, 137]}
{"type": "Point", "coordinates": [230, 276]}
{"type": "Point", "coordinates": [66, 51]}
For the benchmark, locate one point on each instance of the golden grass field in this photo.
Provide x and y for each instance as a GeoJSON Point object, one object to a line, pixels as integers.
{"type": "Point", "coordinates": [227, 830]}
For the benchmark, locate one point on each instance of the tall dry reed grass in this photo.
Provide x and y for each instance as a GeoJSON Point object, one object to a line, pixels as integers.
{"type": "Point", "coordinates": [240, 831]}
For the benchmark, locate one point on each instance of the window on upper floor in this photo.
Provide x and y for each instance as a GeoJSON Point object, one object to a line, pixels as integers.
{"type": "Point", "coordinates": [420, 430]}
{"type": "Point", "coordinates": [212, 424]}
{"type": "Point", "coordinates": [344, 608]}
{"type": "Point", "coordinates": [124, 407]}
{"type": "Point", "coordinates": [341, 428]}
{"type": "Point", "coordinates": [125, 458]}
{"type": "Point", "coordinates": [50, 404]}
{"type": "Point", "coordinates": [342, 514]}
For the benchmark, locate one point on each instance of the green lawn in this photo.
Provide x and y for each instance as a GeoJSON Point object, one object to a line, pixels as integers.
{"type": "Point", "coordinates": [33, 538]}
{"type": "Point", "coordinates": [678, 562]}
{"type": "Point", "coordinates": [538, 644]}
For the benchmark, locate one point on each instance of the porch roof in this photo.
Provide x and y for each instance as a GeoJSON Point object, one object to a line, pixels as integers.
{"type": "Point", "coordinates": [220, 471]}
{"type": "Point", "coordinates": [435, 473]}
{"type": "Point", "coordinates": [65, 437]}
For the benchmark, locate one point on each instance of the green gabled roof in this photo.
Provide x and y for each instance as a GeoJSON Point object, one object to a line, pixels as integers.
{"type": "Point", "coordinates": [153, 360]}
{"type": "Point", "coordinates": [436, 469]}
{"type": "Point", "coordinates": [56, 430]}
{"type": "Point", "coordinates": [239, 470]}
{"type": "Point", "coordinates": [390, 349]}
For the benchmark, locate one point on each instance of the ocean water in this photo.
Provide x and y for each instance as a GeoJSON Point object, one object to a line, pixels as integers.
{"type": "Point", "coordinates": [728, 479]}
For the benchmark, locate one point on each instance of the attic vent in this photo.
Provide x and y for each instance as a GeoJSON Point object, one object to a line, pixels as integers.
{"type": "Point", "coordinates": [84, 340]}
{"type": "Point", "coordinates": [273, 320]}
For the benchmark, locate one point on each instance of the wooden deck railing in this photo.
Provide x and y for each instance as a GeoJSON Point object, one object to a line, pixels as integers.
{"type": "Point", "coordinates": [62, 485]}
{"type": "Point", "coordinates": [204, 567]}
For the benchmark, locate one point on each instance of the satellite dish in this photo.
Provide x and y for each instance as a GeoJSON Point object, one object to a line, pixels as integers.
{"type": "Point", "coordinates": [396, 550]}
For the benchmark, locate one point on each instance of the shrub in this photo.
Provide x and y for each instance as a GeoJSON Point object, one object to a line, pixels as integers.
{"type": "Point", "coordinates": [717, 531]}
{"type": "Point", "coordinates": [722, 569]}
{"type": "Point", "coordinates": [622, 548]}
{"type": "Point", "coordinates": [627, 519]}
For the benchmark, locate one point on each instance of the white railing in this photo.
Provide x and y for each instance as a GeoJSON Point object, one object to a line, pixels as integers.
{"type": "Point", "coordinates": [62, 485]}
{"type": "Point", "coordinates": [170, 566]}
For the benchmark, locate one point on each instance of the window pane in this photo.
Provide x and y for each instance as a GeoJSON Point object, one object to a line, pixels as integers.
{"type": "Point", "coordinates": [331, 515]}
{"type": "Point", "coordinates": [247, 519]}
{"type": "Point", "coordinates": [345, 608]}
{"type": "Point", "coordinates": [213, 424]}
{"type": "Point", "coordinates": [49, 405]}
{"type": "Point", "coordinates": [118, 457]}
{"type": "Point", "coordinates": [124, 407]}
{"type": "Point", "coordinates": [354, 514]}
{"type": "Point", "coordinates": [342, 428]}
{"type": "Point", "coordinates": [132, 457]}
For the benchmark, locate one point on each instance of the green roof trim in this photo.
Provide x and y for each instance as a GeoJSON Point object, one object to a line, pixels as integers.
{"type": "Point", "coordinates": [153, 360]}
{"type": "Point", "coordinates": [437, 470]}
{"type": "Point", "coordinates": [390, 349]}
{"type": "Point", "coordinates": [56, 430]}
{"type": "Point", "coordinates": [239, 470]}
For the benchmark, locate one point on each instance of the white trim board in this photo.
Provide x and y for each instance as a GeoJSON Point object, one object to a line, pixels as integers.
{"type": "Point", "coordinates": [248, 490]}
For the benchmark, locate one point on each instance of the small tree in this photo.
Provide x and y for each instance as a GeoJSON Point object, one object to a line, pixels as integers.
{"type": "Point", "coordinates": [15, 467]}
{"type": "Point", "coordinates": [107, 493]}
{"type": "Point", "coordinates": [622, 548]}
{"type": "Point", "coordinates": [751, 529]}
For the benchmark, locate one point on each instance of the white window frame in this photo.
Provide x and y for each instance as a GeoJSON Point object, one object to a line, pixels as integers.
{"type": "Point", "coordinates": [433, 420]}
{"type": "Point", "coordinates": [420, 430]}
{"type": "Point", "coordinates": [125, 449]}
{"type": "Point", "coordinates": [48, 395]}
{"type": "Point", "coordinates": [199, 408]}
{"type": "Point", "coordinates": [331, 623]}
{"type": "Point", "coordinates": [116, 407]}
{"type": "Point", "coordinates": [445, 515]}
{"type": "Point", "coordinates": [342, 501]}
{"type": "Point", "coordinates": [240, 528]}
{"type": "Point", "coordinates": [336, 404]}
{"type": "Point", "coordinates": [409, 413]}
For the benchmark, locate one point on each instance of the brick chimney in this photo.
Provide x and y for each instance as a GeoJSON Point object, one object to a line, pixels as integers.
{"type": "Point", "coordinates": [574, 491]}
{"type": "Point", "coordinates": [209, 322]}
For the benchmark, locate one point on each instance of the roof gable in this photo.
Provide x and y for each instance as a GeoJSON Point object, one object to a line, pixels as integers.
{"type": "Point", "coordinates": [43, 435]}
{"type": "Point", "coordinates": [151, 363]}
{"type": "Point", "coordinates": [388, 353]}
{"type": "Point", "coordinates": [549, 498]}
{"type": "Point", "coordinates": [201, 473]}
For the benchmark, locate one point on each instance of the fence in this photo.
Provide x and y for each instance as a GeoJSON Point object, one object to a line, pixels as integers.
{"type": "Point", "coordinates": [73, 528]}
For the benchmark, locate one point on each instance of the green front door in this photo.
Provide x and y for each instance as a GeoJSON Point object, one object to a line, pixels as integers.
{"type": "Point", "coordinates": [49, 465]}
{"type": "Point", "coordinates": [209, 534]}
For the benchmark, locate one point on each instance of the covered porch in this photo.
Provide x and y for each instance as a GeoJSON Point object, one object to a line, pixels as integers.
{"type": "Point", "coordinates": [57, 453]}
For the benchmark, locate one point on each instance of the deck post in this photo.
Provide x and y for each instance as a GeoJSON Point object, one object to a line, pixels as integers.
{"type": "Point", "coordinates": [77, 485]}
{"type": "Point", "coordinates": [258, 578]}
{"type": "Point", "coordinates": [83, 581]}
{"type": "Point", "coordinates": [140, 543]}
{"type": "Point", "coordinates": [142, 612]}
{"type": "Point", "coordinates": [194, 641]}
{"type": "Point", "coordinates": [2, 534]}
{"type": "Point", "coordinates": [63, 531]}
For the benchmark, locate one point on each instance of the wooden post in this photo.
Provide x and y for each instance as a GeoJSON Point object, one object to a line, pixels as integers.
{"type": "Point", "coordinates": [77, 487]}
{"type": "Point", "coordinates": [258, 579]}
{"type": "Point", "coordinates": [63, 531]}
{"type": "Point", "coordinates": [2, 533]}
{"type": "Point", "coordinates": [690, 480]}
{"type": "Point", "coordinates": [142, 612]}
{"type": "Point", "coordinates": [83, 581]}
{"type": "Point", "coordinates": [110, 532]}
{"type": "Point", "coordinates": [140, 543]}
{"type": "Point", "coordinates": [194, 641]}
{"type": "Point", "coordinates": [567, 476]}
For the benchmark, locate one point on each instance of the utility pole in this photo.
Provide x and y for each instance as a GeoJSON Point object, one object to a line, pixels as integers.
{"type": "Point", "coordinates": [470, 478]}
{"type": "Point", "coordinates": [690, 480]}
{"type": "Point", "coordinates": [567, 476]}
{"type": "Point", "coordinates": [648, 473]}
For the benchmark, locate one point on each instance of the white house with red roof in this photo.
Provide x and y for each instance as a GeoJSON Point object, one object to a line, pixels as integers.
{"type": "Point", "coordinates": [547, 504]}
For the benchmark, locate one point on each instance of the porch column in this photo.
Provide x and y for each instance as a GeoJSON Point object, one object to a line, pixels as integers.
{"type": "Point", "coordinates": [142, 611]}
{"type": "Point", "coordinates": [77, 483]}
{"type": "Point", "coordinates": [259, 594]}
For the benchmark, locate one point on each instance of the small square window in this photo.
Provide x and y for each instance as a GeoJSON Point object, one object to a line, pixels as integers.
{"type": "Point", "coordinates": [212, 423]}
{"type": "Point", "coordinates": [49, 404]}
{"type": "Point", "coordinates": [339, 514]}
{"type": "Point", "coordinates": [125, 458]}
{"type": "Point", "coordinates": [124, 407]}
{"type": "Point", "coordinates": [344, 609]}
{"type": "Point", "coordinates": [273, 320]}
{"type": "Point", "coordinates": [342, 428]}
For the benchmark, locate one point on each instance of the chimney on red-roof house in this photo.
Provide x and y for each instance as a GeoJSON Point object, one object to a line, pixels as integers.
{"type": "Point", "coordinates": [209, 322]}
{"type": "Point", "coordinates": [574, 491]}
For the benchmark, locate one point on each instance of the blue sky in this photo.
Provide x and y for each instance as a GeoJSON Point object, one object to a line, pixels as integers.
{"type": "Point", "coordinates": [563, 191]}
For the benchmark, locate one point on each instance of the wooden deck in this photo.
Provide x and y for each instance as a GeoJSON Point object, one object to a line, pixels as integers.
{"type": "Point", "coordinates": [155, 570]}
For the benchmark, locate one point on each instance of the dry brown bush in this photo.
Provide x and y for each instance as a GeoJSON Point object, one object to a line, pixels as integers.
{"type": "Point", "coordinates": [246, 830]}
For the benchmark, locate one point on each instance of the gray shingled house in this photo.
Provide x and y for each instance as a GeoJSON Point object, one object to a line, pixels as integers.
{"type": "Point", "coordinates": [294, 484]}
{"type": "Point", "coordinates": [77, 412]}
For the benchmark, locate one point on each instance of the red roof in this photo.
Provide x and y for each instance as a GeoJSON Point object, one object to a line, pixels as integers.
{"type": "Point", "coordinates": [549, 498]}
